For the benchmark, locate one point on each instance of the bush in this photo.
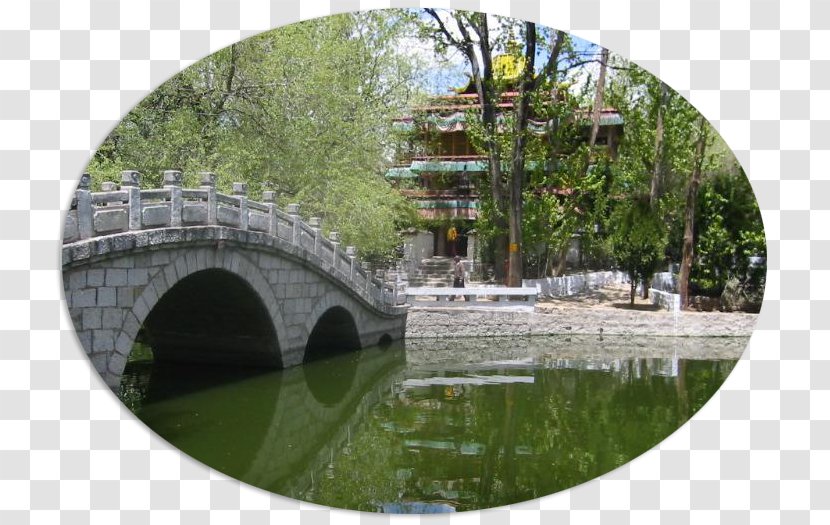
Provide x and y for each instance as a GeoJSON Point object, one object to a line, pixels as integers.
{"type": "Point", "coordinates": [742, 295]}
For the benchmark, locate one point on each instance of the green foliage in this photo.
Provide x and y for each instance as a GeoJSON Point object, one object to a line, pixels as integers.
{"type": "Point", "coordinates": [638, 240]}
{"type": "Point", "coordinates": [729, 232]}
{"type": "Point", "coordinates": [304, 110]}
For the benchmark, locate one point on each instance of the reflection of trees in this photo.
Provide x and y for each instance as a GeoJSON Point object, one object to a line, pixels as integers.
{"type": "Point", "coordinates": [483, 446]}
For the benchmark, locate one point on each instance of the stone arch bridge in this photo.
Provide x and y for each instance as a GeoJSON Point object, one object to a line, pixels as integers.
{"type": "Point", "coordinates": [207, 277]}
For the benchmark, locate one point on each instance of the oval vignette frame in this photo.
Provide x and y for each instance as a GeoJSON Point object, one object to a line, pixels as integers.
{"type": "Point", "coordinates": [549, 495]}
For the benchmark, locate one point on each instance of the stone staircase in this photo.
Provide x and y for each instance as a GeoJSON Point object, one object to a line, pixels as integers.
{"type": "Point", "coordinates": [433, 272]}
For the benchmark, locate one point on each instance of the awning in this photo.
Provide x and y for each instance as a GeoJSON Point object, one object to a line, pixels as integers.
{"type": "Point", "coordinates": [456, 121]}
{"type": "Point", "coordinates": [432, 204]}
{"type": "Point", "coordinates": [448, 165]}
{"type": "Point", "coordinates": [400, 173]}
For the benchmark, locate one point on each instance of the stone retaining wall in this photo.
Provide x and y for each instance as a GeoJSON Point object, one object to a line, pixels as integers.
{"type": "Point", "coordinates": [455, 323]}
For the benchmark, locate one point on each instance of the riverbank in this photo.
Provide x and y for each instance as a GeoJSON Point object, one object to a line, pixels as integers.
{"type": "Point", "coordinates": [606, 311]}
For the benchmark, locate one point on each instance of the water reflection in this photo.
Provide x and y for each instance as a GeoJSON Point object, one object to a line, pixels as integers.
{"type": "Point", "coordinates": [440, 426]}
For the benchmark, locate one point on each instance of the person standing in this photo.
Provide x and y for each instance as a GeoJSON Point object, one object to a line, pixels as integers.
{"type": "Point", "coordinates": [457, 275]}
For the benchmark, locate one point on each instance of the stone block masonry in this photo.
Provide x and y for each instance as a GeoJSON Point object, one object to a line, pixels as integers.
{"type": "Point", "coordinates": [450, 323]}
{"type": "Point", "coordinates": [116, 274]}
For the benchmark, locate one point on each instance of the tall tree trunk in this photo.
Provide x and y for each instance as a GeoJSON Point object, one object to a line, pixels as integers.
{"type": "Point", "coordinates": [689, 216]}
{"type": "Point", "coordinates": [598, 98]}
{"type": "Point", "coordinates": [562, 261]}
{"type": "Point", "coordinates": [482, 74]}
{"type": "Point", "coordinates": [659, 146]}
{"type": "Point", "coordinates": [485, 89]}
{"type": "Point", "coordinates": [517, 175]}
{"type": "Point", "coordinates": [657, 182]}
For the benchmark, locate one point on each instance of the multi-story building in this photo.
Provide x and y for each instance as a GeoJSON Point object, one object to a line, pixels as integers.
{"type": "Point", "coordinates": [440, 170]}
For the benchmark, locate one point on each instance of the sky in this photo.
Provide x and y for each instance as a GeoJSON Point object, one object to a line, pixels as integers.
{"type": "Point", "coordinates": [452, 71]}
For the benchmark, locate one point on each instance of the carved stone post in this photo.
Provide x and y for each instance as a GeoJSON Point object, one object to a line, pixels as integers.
{"type": "Point", "coordinates": [293, 211]}
{"type": "Point", "coordinates": [269, 198]}
{"type": "Point", "coordinates": [240, 189]}
{"type": "Point", "coordinates": [208, 183]}
{"type": "Point", "coordinates": [334, 237]}
{"type": "Point", "coordinates": [315, 224]}
{"type": "Point", "coordinates": [366, 271]}
{"type": "Point", "coordinates": [85, 211]}
{"type": "Point", "coordinates": [351, 253]}
{"type": "Point", "coordinates": [173, 182]}
{"type": "Point", "coordinates": [130, 181]}
{"type": "Point", "coordinates": [378, 280]}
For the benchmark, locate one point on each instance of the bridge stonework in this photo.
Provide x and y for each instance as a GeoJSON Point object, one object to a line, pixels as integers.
{"type": "Point", "coordinates": [134, 256]}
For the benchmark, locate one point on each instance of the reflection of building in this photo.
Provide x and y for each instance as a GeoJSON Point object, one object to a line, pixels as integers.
{"type": "Point", "coordinates": [441, 172]}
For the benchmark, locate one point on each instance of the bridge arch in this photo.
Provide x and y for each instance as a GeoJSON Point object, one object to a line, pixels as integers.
{"type": "Point", "coordinates": [210, 274]}
{"type": "Point", "coordinates": [334, 332]}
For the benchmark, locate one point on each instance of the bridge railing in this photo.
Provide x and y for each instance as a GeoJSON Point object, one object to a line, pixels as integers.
{"type": "Point", "coordinates": [118, 209]}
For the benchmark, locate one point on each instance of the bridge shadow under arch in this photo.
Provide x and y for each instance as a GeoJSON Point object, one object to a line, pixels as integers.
{"type": "Point", "coordinates": [212, 316]}
{"type": "Point", "coordinates": [335, 333]}
{"type": "Point", "coordinates": [333, 374]}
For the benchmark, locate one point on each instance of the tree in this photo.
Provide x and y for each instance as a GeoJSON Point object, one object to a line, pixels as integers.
{"type": "Point", "coordinates": [728, 231]}
{"type": "Point", "coordinates": [304, 110]}
{"type": "Point", "coordinates": [470, 33]}
{"type": "Point", "coordinates": [478, 52]}
{"type": "Point", "coordinates": [638, 240]}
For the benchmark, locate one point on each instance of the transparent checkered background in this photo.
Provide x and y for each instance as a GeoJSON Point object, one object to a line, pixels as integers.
{"type": "Point", "coordinates": [759, 452]}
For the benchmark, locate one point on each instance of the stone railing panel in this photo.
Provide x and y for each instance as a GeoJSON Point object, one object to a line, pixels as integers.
{"type": "Point", "coordinates": [325, 250]}
{"type": "Point", "coordinates": [193, 214]}
{"type": "Point", "coordinates": [155, 216]}
{"type": "Point", "coordinates": [129, 208]}
{"type": "Point", "coordinates": [285, 226]}
{"type": "Point", "coordinates": [307, 236]}
{"type": "Point", "coordinates": [259, 222]}
{"type": "Point", "coordinates": [111, 221]}
{"type": "Point", "coordinates": [344, 262]}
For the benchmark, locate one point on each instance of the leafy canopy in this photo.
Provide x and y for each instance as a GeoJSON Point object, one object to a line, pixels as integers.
{"type": "Point", "coordinates": [303, 110]}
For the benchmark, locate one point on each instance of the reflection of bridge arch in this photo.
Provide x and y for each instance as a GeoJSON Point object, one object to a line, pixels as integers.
{"type": "Point", "coordinates": [311, 428]}
{"type": "Point", "coordinates": [185, 411]}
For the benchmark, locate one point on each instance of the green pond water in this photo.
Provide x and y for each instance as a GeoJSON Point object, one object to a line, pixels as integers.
{"type": "Point", "coordinates": [434, 426]}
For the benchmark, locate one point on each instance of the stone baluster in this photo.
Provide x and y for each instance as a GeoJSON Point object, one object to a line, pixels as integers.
{"type": "Point", "coordinates": [316, 224]}
{"type": "Point", "coordinates": [173, 182]}
{"type": "Point", "coordinates": [270, 200]}
{"type": "Point", "coordinates": [334, 237]}
{"type": "Point", "coordinates": [351, 253]}
{"type": "Point", "coordinates": [240, 190]}
{"type": "Point", "coordinates": [130, 181]}
{"type": "Point", "coordinates": [208, 183]}
{"type": "Point", "coordinates": [293, 211]}
{"type": "Point", "coordinates": [85, 211]}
